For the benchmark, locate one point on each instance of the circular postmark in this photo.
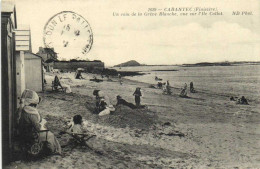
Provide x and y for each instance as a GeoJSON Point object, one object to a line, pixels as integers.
{"type": "Point", "coordinates": [69, 34]}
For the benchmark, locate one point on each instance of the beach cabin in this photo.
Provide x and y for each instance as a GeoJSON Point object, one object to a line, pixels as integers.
{"type": "Point", "coordinates": [22, 45]}
{"type": "Point", "coordinates": [29, 65]}
{"type": "Point", "coordinates": [8, 79]}
{"type": "Point", "coordinates": [34, 79]}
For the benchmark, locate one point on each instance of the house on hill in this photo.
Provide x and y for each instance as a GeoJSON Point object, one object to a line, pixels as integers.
{"type": "Point", "coordinates": [47, 53]}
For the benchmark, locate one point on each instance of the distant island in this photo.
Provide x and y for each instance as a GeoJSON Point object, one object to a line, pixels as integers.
{"type": "Point", "coordinates": [235, 63]}
{"type": "Point", "coordinates": [208, 64]}
{"type": "Point", "coordinates": [166, 70]}
{"type": "Point", "coordinates": [129, 63]}
{"type": "Point", "coordinates": [219, 64]}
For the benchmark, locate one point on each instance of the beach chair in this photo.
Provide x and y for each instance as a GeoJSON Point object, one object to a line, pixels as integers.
{"type": "Point", "coordinates": [80, 139]}
{"type": "Point", "coordinates": [30, 142]}
{"type": "Point", "coordinates": [55, 87]}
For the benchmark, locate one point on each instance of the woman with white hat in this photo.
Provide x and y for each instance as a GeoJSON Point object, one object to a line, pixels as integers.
{"type": "Point", "coordinates": [30, 117]}
{"type": "Point", "coordinates": [103, 103]}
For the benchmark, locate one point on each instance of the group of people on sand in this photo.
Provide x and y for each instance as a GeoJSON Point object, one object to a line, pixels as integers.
{"type": "Point", "coordinates": [184, 90]}
{"type": "Point", "coordinates": [165, 86]}
{"type": "Point", "coordinates": [104, 107]}
{"type": "Point", "coordinates": [241, 100]}
{"type": "Point", "coordinates": [29, 120]}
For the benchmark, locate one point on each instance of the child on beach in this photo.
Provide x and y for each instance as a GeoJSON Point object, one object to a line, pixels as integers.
{"type": "Point", "coordinates": [76, 127]}
{"type": "Point", "coordinates": [137, 95]}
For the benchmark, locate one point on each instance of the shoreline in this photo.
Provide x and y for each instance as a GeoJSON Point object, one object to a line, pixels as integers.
{"type": "Point", "coordinates": [193, 137]}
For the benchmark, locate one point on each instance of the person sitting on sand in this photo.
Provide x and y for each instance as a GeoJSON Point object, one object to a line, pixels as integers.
{"type": "Point", "coordinates": [167, 88]}
{"type": "Point", "coordinates": [232, 98]}
{"type": "Point", "coordinates": [102, 105]}
{"type": "Point", "coordinates": [108, 77]}
{"type": "Point", "coordinates": [192, 90]}
{"type": "Point", "coordinates": [76, 126]}
{"type": "Point", "coordinates": [78, 75]}
{"type": "Point", "coordinates": [185, 86]}
{"type": "Point", "coordinates": [184, 91]}
{"type": "Point", "coordinates": [102, 101]}
{"type": "Point", "coordinates": [242, 100]}
{"type": "Point", "coordinates": [157, 79]}
{"type": "Point", "coordinates": [57, 83]}
{"type": "Point", "coordinates": [137, 95]}
{"type": "Point", "coordinates": [120, 100]}
{"type": "Point", "coordinates": [78, 132]}
{"type": "Point", "coordinates": [102, 76]}
{"type": "Point", "coordinates": [104, 108]}
{"type": "Point", "coordinates": [159, 85]}
{"type": "Point", "coordinates": [30, 120]}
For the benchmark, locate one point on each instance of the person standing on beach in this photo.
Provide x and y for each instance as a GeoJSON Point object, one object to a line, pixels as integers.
{"type": "Point", "coordinates": [168, 88]}
{"type": "Point", "coordinates": [120, 79]}
{"type": "Point", "coordinates": [192, 90]}
{"type": "Point", "coordinates": [137, 95]}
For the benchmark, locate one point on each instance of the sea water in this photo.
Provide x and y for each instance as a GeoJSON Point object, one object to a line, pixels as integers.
{"type": "Point", "coordinates": [235, 80]}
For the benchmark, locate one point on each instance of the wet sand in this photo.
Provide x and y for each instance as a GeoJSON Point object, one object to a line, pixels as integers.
{"type": "Point", "coordinates": [203, 131]}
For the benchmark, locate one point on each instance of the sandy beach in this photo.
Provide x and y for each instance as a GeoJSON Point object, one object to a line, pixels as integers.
{"type": "Point", "coordinates": [206, 130]}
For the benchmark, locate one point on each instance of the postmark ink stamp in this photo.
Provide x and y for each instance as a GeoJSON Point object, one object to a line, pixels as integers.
{"type": "Point", "coordinates": [68, 32]}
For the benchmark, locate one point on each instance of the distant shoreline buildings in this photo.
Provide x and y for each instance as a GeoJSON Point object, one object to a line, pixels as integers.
{"type": "Point", "coordinates": [89, 66]}
{"type": "Point", "coordinates": [47, 53]}
{"type": "Point", "coordinates": [51, 62]}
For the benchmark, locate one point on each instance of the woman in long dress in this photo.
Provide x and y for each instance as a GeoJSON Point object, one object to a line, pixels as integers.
{"type": "Point", "coordinates": [30, 117]}
{"type": "Point", "coordinates": [137, 95]}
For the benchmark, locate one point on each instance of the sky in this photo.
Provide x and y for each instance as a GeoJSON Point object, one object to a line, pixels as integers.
{"type": "Point", "coordinates": [152, 39]}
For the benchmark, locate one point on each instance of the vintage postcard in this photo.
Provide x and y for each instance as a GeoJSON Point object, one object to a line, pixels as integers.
{"type": "Point", "coordinates": [130, 84]}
